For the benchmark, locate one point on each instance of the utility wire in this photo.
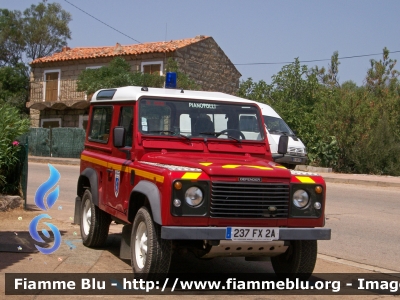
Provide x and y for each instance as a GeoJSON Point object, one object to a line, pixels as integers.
{"type": "Point", "coordinates": [102, 22]}
{"type": "Point", "coordinates": [239, 64]}
{"type": "Point", "coordinates": [313, 60]}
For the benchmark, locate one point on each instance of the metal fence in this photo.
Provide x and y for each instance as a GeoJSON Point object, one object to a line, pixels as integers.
{"type": "Point", "coordinates": [65, 90]}
{"type": "Point", "coordinates": [56, 142]}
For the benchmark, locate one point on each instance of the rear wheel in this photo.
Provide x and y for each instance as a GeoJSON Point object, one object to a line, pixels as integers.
{"type": "Point", "coordinates": [95, 223]}
{"type": "Point", "coordinates": [150, 255]}
{"type": "Point", "coordinates": [298, 260]}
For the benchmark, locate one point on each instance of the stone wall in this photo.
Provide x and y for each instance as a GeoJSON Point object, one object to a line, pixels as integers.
{"type": "Point", "coordinates": [34, 117]}
{"type": "Point", "coordinates": [204, 62]}
{"type": "Point", "coordinates": [207, 64]}
{"type": "Point", "coordinates": [72, 69]}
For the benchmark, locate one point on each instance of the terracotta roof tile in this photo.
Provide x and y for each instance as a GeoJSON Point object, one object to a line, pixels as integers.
{"type": "Point", "coordinates": [117, 50]}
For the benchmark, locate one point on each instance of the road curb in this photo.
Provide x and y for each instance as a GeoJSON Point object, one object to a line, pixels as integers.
{"type": "Point", "coordinates": [54, 160]}
{"type": "Point", "coordinates": [326, 173]}
{"type": "Point", "coordinates": [360, 182]}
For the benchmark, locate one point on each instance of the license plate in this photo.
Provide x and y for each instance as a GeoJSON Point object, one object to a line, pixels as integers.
{"type": "Point", "coordinates": [251, 234]}
{"type": "Point", "coordinates": [296, 159]}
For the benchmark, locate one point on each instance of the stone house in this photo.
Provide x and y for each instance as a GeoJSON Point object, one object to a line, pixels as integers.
{"type": "Point", "coordinates": [55, 102]}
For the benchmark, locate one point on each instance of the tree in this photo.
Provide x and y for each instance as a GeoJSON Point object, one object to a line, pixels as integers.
{"type": "Point", "coordinates": [14, 86]}
{"type": "Point", "coordinates": [12, 44]}
{"type": "Point", "coordinates": [118, 73]}
{"type": "Point", "coordinates": [40, 31]}
{"type": "Point", "coordinates": [382, 82]}
{"type": "Point", "coordinates": [45, 29]}
{"type": "Point", "coordinates": [382, 74]}
{"type": "Point", "coordinates": [257, 91]}
{"type": "Point", "coordinates": [12, 126]}
{"type": "Point", "coordinates": [329, 78]}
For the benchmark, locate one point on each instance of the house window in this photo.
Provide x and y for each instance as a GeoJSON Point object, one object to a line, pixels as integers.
{"type": "Point", "coordinates": [83, 120]}
{"type": "Point", "coordinates": [53, 123]}
{"type": "Point", "coordinates": [51, 85]}
{"type": "Point", "coordinates": [152, 67]}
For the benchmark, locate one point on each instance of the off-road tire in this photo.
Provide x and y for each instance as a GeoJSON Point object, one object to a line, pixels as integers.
{"type": "Point", "coordinates": [95, 223]}
{"type": "Point", "coordinates": [298, 260]}
{"type": "Point", "coordinates": [159, 251]}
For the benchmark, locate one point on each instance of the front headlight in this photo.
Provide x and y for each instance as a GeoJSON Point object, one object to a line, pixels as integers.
{"type": "Point", "coordinates": [300, 198]}
{"type": "Point", "coordinates": [193, 196]}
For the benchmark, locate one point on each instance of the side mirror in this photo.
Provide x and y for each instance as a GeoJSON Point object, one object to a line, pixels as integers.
{"type": "Point", "coordinates": [283, 144]}
{"type": "Point", "coordinates": [119, 137]}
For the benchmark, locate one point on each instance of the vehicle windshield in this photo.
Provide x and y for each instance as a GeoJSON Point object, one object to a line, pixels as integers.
{"type": "Point", "coordinates": [196, 118]}
{"type": "Point", "coordinates": [277, 126]}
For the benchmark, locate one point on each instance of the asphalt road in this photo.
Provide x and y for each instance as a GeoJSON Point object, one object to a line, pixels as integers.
{"type": "Point", "coordinates": [364, 220]}
{"type": "Point", "coordinates": [365, 224]}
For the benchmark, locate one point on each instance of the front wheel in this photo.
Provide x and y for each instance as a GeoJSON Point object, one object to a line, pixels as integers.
{"type": "Point", "coordinates": [150, 255]}
{"type": "Point", "coordinates": [298, 260]}
{"type": "Point", "coordinates": [95, 223]}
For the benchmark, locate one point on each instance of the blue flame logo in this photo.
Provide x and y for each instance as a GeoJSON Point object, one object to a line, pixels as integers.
{"type": "Point", "coordinates": [45, 187]}
{"type": "Point", "coordinates": [35, 235]}
{"type": "Point", "coordinates": [40, 202]}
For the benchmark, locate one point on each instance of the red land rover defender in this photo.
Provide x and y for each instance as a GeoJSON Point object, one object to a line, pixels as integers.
{"type": "Point", "coordinates": [193, 170]}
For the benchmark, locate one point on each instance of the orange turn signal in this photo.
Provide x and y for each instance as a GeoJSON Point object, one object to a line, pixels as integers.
{"type": "Point", "coordinates": [318, 189]}
{"type": "Point", "coordinates": [178, 185]}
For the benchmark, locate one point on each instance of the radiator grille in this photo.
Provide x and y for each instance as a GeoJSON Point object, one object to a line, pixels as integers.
{"type": "Point", "coordinates": [249, 200]}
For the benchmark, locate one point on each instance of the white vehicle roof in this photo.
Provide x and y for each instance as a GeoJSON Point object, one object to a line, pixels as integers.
{"type": "Point", "coordinates": [133, 93]}
{"type": "Point", "coordinates": [268, 110]}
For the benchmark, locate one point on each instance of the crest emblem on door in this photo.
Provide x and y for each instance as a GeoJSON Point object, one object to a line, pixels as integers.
{"type": "Point", "coordinates": [116, 182]}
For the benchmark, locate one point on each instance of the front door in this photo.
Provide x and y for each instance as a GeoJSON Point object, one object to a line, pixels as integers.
{"type": "Point", "coordinates": [51, 93]}
{"type": "Point", "coordinates": [119, 175]}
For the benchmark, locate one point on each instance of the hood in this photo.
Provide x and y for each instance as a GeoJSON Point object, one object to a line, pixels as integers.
{"type": "Point", "coordinates": [221, 165]}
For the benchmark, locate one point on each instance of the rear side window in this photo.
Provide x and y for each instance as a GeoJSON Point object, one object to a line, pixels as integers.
{"type": "Point", "coordinates": [100, 124]}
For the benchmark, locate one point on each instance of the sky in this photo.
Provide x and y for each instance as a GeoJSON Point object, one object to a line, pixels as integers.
{"type": "Point", "coordinates": [248, 31]}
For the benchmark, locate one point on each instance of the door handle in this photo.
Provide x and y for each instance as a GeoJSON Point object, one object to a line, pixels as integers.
{"type": "Point", "coordinates": [109, 173]}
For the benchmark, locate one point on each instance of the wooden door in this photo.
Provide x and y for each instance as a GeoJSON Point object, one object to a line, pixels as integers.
{"type": "Point", "coordinates": [51, 86]}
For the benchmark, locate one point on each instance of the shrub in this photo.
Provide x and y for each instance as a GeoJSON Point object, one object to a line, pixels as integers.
{"type": "Point", "coordinates": [12, 125]}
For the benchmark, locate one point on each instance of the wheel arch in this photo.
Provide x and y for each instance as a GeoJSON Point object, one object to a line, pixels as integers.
{"type": "Point", "coordinates": [88, 178]}
{"type": "Point", "coordinates": [145, 193]}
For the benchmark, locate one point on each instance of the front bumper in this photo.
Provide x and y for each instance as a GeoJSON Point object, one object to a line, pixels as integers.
{"type": "Point", "coordinates": [290, 159]}
{"type": "Point", "coordinates": [218, 233]}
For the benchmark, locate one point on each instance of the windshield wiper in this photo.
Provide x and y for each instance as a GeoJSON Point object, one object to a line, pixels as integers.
{"type": "Point", "coordinates": [171, 133]}
{"type": "Point", "coordinates": [218, 134]}
{"type": "Point", "coordinates": [209, 133]}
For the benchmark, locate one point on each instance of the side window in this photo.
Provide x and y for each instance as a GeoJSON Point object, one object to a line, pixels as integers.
{"type": "Point", "coordinates": [126, 120]}
{"type": "Point", "coordinates": [248, 123]}
{"type": "Point", "coordinates": [100, 124]}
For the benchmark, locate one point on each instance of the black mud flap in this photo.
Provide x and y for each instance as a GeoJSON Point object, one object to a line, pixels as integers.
{"type": "Point", "coordinates": [77, 214]}
{"type": "Point", "coordinates": [125, 248]}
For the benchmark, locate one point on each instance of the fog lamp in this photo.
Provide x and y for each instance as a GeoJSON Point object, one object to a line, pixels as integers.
{"type": "Point", "coordinates": [177, 202]}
